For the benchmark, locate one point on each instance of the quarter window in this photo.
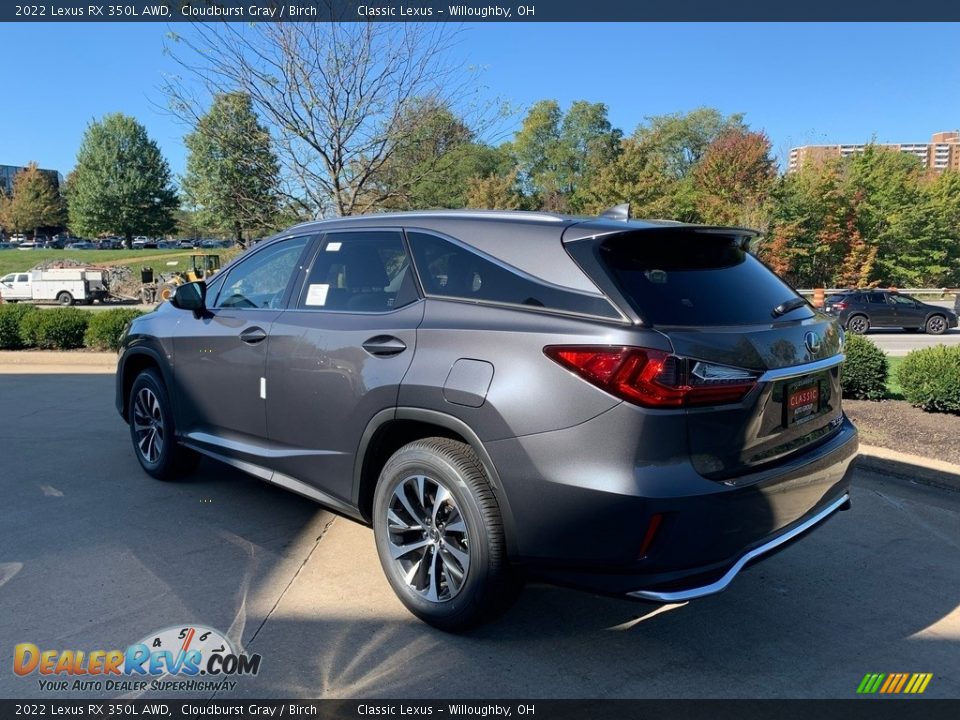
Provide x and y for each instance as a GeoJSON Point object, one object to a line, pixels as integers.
{"type": "Point", "coordinates": [448, 269]}
{"type": "Point", "coordinates": [366, 271]}
{"type": "Point", "coordinates": [262, 280]}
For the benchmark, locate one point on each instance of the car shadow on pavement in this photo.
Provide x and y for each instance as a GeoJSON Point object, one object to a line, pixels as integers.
{"type": "Point", "coordinates": [874, 590]}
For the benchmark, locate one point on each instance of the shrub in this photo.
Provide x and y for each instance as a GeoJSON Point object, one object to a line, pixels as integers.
{"type": "Point", "coordinates": [105, 328]}
{"type": "Point", "coordinates": [55, 329]}
{"type": "Point", "coordinates": [11, 317]}
{"type": "Point", "coordinates": [930, 378]}
{"type": "Point", "coordinates": [864, 374]}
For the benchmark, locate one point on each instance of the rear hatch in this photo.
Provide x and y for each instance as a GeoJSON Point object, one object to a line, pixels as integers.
{"type": "Point", "coordinates": [729, 320]}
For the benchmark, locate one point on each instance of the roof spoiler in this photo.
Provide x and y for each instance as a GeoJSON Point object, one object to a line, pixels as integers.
{"type": "Point", "coordinates": [617, 212]}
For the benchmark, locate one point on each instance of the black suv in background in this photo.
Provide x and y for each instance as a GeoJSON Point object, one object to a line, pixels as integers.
{"type": "Point", "coordinates": [860, 310]}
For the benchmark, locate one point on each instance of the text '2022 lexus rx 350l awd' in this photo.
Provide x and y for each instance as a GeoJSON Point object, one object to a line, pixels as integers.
{"type": "Point", "coordinates": [634, 408]}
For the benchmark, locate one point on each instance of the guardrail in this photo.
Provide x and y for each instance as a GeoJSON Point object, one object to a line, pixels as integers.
{"type": "Point", "coordinates": [942, 292]}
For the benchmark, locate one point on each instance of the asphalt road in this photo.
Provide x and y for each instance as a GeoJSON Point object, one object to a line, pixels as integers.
{"type": "Point", "coordinates": [898, 343]}
{"type": "Point", "coordinates": [95, 555]}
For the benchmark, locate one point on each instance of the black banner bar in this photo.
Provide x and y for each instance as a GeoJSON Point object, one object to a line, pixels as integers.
{"type": "Point", "coordinates": [474, 11]}
{"type": "Point", "coordinates": [873, 708]}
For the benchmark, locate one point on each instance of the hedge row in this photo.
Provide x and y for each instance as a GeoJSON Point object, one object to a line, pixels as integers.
{"type": "Point", "coordinates": [26, 326]}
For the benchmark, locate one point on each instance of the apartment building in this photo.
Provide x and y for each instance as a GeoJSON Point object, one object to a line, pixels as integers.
{"type": "Point", "coordinates": [941, 153]}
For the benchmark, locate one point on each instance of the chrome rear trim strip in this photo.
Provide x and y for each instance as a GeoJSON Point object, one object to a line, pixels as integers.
{"type": "Point", "coordinates": [721, 584]}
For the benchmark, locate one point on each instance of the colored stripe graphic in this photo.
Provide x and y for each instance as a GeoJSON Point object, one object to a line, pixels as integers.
{"type": "Point", "coordinates": [894, 683]}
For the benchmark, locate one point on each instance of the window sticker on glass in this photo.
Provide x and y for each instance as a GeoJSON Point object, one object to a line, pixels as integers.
{"type": "Point", "coordinates": [333, 247]}
{"type": "Point", "coordinates": [317, 294]}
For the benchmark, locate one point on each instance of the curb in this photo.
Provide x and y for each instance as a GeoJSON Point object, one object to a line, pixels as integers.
{"type": "Point", "coordinates": [936, 473]}
{"type": "Point", "coordinates": [51, 361]}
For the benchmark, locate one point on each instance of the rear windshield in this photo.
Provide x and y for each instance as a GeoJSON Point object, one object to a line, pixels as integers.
{"type": "Point", "coordinates": [688, 278]}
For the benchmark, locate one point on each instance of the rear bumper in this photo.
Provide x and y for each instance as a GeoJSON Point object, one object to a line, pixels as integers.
{"type": "Point", "coordinates": [767, 547]}
{"type": "Point", "coordinates": [581, 507]}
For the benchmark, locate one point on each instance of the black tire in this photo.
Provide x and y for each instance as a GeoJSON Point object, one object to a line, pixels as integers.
{"type": "Point", "coordinates": [64, 298]}
{"type": "Point", "coordinates": [858, 324]}
{"type": "Point", "coordinates": [163, 457]}
{"type": "Point", "coordinates": [488, 585]}
{"type": "Point", "coordinates": [936, 325]}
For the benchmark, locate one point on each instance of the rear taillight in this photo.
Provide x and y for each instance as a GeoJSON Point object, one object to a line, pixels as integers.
{"type": "Point", "coordinates": [654, 378]}
{"type": "Point", "coordinates": [840, 306]}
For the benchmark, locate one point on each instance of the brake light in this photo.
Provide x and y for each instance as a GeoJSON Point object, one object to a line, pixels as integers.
{"type": "Point", "coordinates": [839, 306]}
{"type": "Point", "coordinates": [654, 378]}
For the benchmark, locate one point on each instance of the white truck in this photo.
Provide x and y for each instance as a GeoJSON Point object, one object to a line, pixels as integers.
{"type": "Point", "coordinates": [65, 286]}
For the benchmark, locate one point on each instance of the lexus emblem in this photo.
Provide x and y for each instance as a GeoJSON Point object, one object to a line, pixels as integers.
{"type": "Point", "coordinates": [812, 341]}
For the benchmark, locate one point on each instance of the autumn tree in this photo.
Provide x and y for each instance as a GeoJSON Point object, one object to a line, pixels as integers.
{"type": "Point", "coordinates": [637, 176]}
{"type": "Point", "coordinates": [733, 179]}
{"type": "Point", "coordinates": [121, 183]}
{"type": "Point", "coordinates": [494, 192]}
{"type": "Point", "coordinates": [232, 173]}
{"type": "Point", "coordinates": [35, 202]}
{"type": "Point", "coordinates": [680, 140]}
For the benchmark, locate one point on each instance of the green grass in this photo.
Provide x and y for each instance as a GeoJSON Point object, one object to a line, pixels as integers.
{"type": "Point", "coordinates": [894, 391]}
{"type": "Point", "coordinates": [23, 260]}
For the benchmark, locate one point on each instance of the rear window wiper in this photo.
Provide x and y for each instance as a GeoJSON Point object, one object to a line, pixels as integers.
{"type": "Point", "coordinates": [788, 305]}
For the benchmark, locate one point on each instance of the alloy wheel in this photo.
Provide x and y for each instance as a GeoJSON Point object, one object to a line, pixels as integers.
{"type": "Point", "coordinates": [427, 535]}
{"type": "Point", "coordinates": [148, 425]}
{"type": "Point", "coordinates": [858, 325]}
{"type": "Point", "coordinates": [936, 325]}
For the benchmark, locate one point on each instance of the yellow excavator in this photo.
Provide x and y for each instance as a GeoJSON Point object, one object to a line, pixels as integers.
{"type": "Point", "coordinates": [202, 267]}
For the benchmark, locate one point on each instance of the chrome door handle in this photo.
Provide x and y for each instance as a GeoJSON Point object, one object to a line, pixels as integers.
{"type": "Point", "coordinates": [384, 346]}
{"type": "Point", "coordinates": [253, 335]}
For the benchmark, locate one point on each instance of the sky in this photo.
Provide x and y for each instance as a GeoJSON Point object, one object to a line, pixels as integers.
{"type": "Point", "coordinates": [800, 83]}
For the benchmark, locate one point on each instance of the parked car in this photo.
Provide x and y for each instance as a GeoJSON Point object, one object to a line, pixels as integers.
{"type": "Point", "coordinates": [81, 245]}
{"type": "Point", "coordinates": [18, 238]}
{"type": "Point", "coordinates": [185, 244]}
{"type": "Point", "coordinates": [167, 245]}
{"type": "Point", "coordinates": [636, 408]}
{"type": "Point", "coordinates": [861, 310]}
{"type": "Point", "coordinates": [6, 246]}
{"type": "Point", "coordinates": [140, 242]}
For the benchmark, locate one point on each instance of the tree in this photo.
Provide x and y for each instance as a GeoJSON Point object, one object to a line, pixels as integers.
{"type": "Point", "coordinates": [435, 161]}
{"type": "Point", "coordinates": [34, 203]}
{"type": "Point", "coordinates": [637, 176]}
{"type": "Point", "coordinates": [681, 139]}
{"type": "Point", "coordinates": [733, 179]}
{"type": "Point", "coordinates": [494, 192]}
{"type": "Point", "coordinates": [333, 94]}
{"type": "Point", "coordinates": [121, 183]}
{"type": "Point", "coordinates": [893, 215]}
{"type": "Point", "coordinates": [232, 172]}
{"type": "Point", "coordinates": [559, 155]}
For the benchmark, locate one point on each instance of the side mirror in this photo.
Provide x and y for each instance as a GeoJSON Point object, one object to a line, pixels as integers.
{"type": "Point", "coordinates": [191, 296]}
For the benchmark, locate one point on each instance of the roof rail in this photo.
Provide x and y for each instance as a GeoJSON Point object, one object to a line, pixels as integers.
{"type": "Point", "coordinates": [617, 212]}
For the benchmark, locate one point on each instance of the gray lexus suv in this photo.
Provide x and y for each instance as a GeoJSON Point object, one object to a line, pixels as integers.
{"type": "Point", "coordinates": [633, 408]}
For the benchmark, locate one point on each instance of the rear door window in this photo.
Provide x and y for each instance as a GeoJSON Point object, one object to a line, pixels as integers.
{"type": "Point", "coordinates": [696, 279]}
{"type": "Point", "coordinates": [449, 269]}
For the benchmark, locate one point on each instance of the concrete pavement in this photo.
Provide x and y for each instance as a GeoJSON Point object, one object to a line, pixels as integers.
{"type": "Point", "coordinates": [94, 554]}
